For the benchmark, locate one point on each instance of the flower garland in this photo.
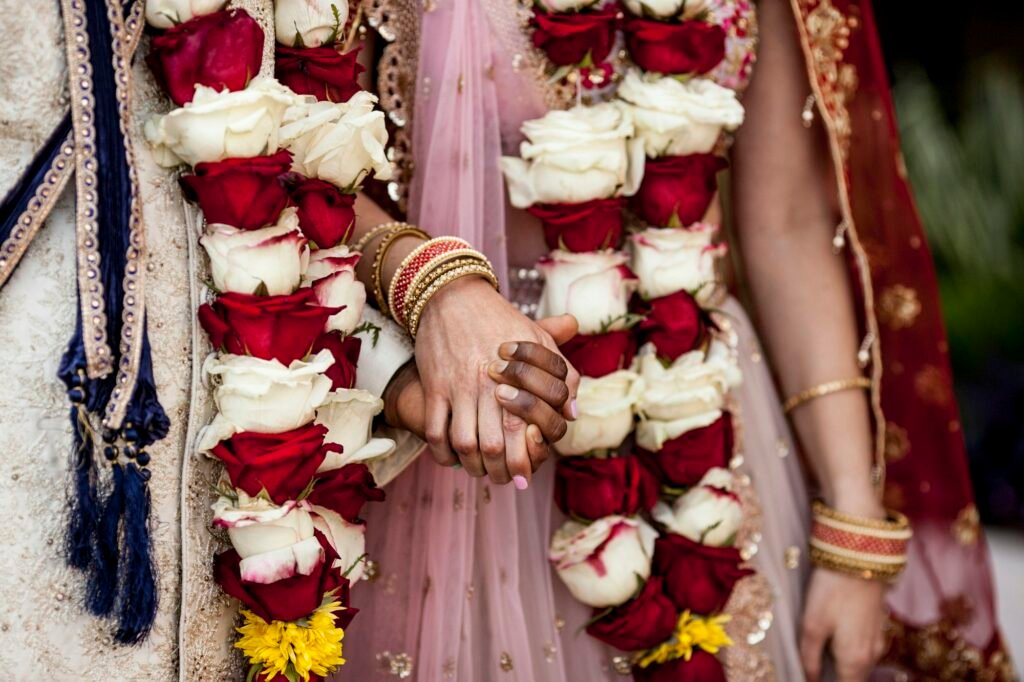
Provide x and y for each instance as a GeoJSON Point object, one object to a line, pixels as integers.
{"type": "Point", "coordinates": [653, 516]}
{"type": "Point", "coordinates": [275, 165]}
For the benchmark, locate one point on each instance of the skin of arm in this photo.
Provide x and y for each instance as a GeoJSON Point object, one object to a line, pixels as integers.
{"type": "Point", "coordinates": [786, 216]}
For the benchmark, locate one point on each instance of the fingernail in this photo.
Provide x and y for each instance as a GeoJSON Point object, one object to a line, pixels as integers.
{"type": "Point", "coordinates": [535, 435]}
{"type": "Point", "coordinates": [498, 366]}
{"type": "Point", "coordinates": [506, 392]}
{"type": "Point", "coordinates": [573, 410]}
{"type": "Point", "coordinates": [508, 349]}
{"type": "Point", "coordinates": [520, 482]}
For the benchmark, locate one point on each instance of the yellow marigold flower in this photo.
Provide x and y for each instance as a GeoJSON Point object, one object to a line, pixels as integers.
{"type": "Point", "coordinates": [692, 632]}
{"type": "Point", "coordinates": [310, 647]}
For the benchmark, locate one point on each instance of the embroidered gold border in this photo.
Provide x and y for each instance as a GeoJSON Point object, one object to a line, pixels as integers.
{"type": "Point", "coordinates": [38, 210]}
{"type": "Point", "coordinates": [831, 104]}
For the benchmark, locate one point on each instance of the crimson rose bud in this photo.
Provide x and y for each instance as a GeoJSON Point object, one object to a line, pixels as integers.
{"type": "Point", "coordinates": [675, 324]}
{"type": "Point", "coordinates": [346, 490]}
{"type": "Point", "coordinates": [345, 350]}
{"type": "Point", "coordinates": [279, 327]}
{"type": "Point", "coordinates": [702, 667]}
{"type": "Point", "coordinates": [641, 623]}
{"type": "Point", "coordinates": [288, 599]}
{"type": "Point", "coordinates": [591, 226]}
{"type": "Point", "coordinates": [280, 463]}
{"type": "Point", "coordinates": [222, 50]}
{"type": "Point", "coordinates": [599, 354]}
{"type": "Point", "coordinates": [592, 488]}
{"type": "Point", "coordinates": [322, 71]}
{"type": "Point", "coordinates": [679, 186]}
{"type": "Point", "coordinates": [567, 39]}
{"type": "Point", "coordinates": [683, 461]}
{"type": "Point", "coordinates": [692, 47]}
{"type": "Point", "coordinates": [697, 577]}
{"type": "Point", "coordinates": [244, 193]}
{"type": "Point", "coordinates": [326, 216]}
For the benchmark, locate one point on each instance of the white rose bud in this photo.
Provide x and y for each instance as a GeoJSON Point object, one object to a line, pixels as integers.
{"type": "Point", "coordinates": [242, 260]}
{"type": "Point", "coordinates": [593, 287]}
{"type": "Point", "coordinates": [605, 563]}
{"type": "Point", "coordinates": [347, 539]}
{"type": "Point", "coordinates": [265, 396]}
{"type": "Point", "coordinates": [604, 414]}
{"type": "Point", "coordinates": [340, 143]}
{"type": "Point", "coordinates": [563, 6]}
{"type": "Point", "coordinates": [309, 23]}
{"type": "Point", "coordinates": [709, 513]}
{"type": "Point", "coordinates": [666, 9]}
{"type": "Point", "coordinates": [348, 415]}
{"type": "Point", "coordinates": [676, 118]}
{"type": "Point", "coordinates": [574, 156]}
{"type": "Point", "coordinates": [164, 14]}
{"type": "Point", "coordinates": [672, 260]}
{"type": "Point", "coordinates": [219, 125]}
{"type": "Point", "coordinates": [332, 275]}
{"type": "Point", "coordinates": [275, 542]}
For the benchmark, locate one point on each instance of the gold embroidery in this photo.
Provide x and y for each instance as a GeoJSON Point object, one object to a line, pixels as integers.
{"type": "Point", "coordinates": [505, 662]}
{"type": "Point", "coordinates": [967, 527]}
{"type": "Point", "coordinates": [792, 558]}
{"type": "Point", "coordinates": [622, 665]}
{"type": "Point", "coordinates": [898, 307]}
{"type": "Point", "coordinates": [398, 665]}
{"type": "Point", "coordinates": [549, 651]}
{"type": "Point", "coordinates": [897, 443]}
{"type": "Point", "coordinates": [931, 385]}
{"type": "Point", "coordinates": [829, 36]}
{"type": "Point", "coordinates": [750, 608]}
{"type": "Point", "coordinates": [939, 652]}
{"type": "Point", "coordinates": [458, 499]}
{"type": "Point", "coordinates": [448, 669]}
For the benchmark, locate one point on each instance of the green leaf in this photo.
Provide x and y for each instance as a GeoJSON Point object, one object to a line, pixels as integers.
{"type": "Point", "coordinates": [291, 673]}
{"type": "Point", "coordinates": [254, 670]}
{"type": "Point", "coordinates": [594, 619]}
{"type": "Point", "coordinates": [355, 563]}
{"type": "Point", "coordinates": [368, 327]}
{"type": "Point", "coordinates": [674, 222]}
{"type": "Point", "coordinates": [559, 74]}
{"type": "Point", "coordinates": [261, 290]}
{"type": "Point", "coordinates": [707, 530]}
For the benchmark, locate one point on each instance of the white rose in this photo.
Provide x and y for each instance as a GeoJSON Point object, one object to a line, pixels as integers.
{"type": "Point", "coordinates": [592, 287]}
{"type": "Point", "coordinates": [339, 143]}
{"type": "Point", "coordinates": [347, 539]}
{"type": "Point", "coordinates": [676, 118]}
{"type": "Point", "coordinates": [275, 542]}
{"type": "Point", "coordinates": [265, 396]}
{"type": "Point", "coordinates": [242, 260]}
{"type": "Point", "coordinates": [309, 23]}
{"type": "Point", "coordinates": [709, 513]}
{"type": "Point", "coordinates": [562, 6]}
{"type": "Point", "coordinates": [332, 275]}
{"type": "Point", "coordinates": [604, 414]}
{"type": "Point", "coordinates": [605, 562]}
{"type": "Point", "coordinates": [670, 260]}
{"type": "Point", "coordinates": [574, 156]}
{"type": "Point", "coordinates": [689, 387]}
{"type": "Point", "coordinates": [169, 13]}
{"type": "Point", "coordinates": [348, 415]}
{"type": "Point", "coordinates": [665, 9]}
{"type": "Point", "coordinates": [219, 125]}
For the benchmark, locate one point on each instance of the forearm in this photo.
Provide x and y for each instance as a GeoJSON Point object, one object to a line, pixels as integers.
{"type": "Point", "coordinates": [786, 217]}
{"type": "Point", "coordinates": [368, 216]}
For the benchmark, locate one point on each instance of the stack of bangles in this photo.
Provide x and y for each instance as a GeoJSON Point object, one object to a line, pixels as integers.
{"type": "Point", "coordinates": [868, 548]}
{"type": "Point", "coordinates": [425, 271]}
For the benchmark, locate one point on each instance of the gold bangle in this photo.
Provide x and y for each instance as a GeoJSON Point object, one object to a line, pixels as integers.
{"type": "Point", "coordinates": [824, 389]}
{"type": "Point", "coordinates": [439, 267]}
{"type": "Point", "coordinates": [425, 267]}
{"type": "Point", "coordinates": [448, 277]}
{"type": "Point", "coordinates": [895, 521]}
{"type": "Point", "coordinates": [868, 570]}
{"type": "Point", "coordinates": [365, 240]}
{"type": "Point", "coordinates": [397, 232]}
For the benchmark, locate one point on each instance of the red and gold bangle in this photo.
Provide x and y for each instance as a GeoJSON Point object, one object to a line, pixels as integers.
{"type": "Point", "coordinates": [869, 548]}
{"type": "Point", "coordinates": [390, 237]}
{"type": "Point", "coordinates": [441, 277]}
{"type": "Point", "coordinates": [419, 259]}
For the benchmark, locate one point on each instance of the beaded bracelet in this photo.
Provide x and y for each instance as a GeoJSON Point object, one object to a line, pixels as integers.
{"type": "Point", "coordinates": [421, 259]}
{"type": "Point", "coordinates": [365, 240]}
{"type": "Point", "coordinates": [868, 548]}
{"type": "Point", "coordinates": [396, 232]}
{"type": "Point", "coordinates": [449, 275]}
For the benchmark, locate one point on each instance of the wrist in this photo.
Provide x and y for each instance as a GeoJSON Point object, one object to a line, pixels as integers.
{"type": "Point", "coordinates": [457, 290]}
{"type": "Point", "coordinates": [857, 498]}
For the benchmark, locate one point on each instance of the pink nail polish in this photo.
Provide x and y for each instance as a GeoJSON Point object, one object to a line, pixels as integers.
{"type": "Point", "coordinates": [573, 410]}
{"type": "Point", "coordinates": [520, 482]}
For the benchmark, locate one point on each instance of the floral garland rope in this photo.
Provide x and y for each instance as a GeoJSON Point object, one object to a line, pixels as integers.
{"type": "Point", "coordinates": [275, 167]}
{"type": "Point", "coordinates": [653, 518]}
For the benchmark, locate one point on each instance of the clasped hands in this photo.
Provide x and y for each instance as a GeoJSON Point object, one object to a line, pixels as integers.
{"type": "Point", "coordinates": [489, 389]}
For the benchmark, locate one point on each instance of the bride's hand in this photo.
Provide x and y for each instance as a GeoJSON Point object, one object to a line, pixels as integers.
{"type": "Point", "coordinates": [459, 335]}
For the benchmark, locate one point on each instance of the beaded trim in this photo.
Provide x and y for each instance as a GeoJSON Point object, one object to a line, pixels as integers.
{"type": "Point", "coordinates": [38, 210]}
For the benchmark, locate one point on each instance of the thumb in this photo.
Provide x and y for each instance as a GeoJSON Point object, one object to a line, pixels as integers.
{"type": "Point", "coordinates": [561, 327]}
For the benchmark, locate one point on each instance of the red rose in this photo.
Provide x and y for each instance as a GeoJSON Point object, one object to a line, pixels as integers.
{"type": "Point", "coordinates": [690, 47]}
{"type": "Point", "coordinates": [279, 327]}
{"type": "Point", "coordinates": [702, 667]}
{"type": "Point", "coordinates": [326, 216]}
{"type": "Point", "coordinates": [222, 50]}
{"type": "Point", "coordinates": [346, 490]}
{"type": "Point", "coordinates": [675, 324]}
{"type": "Point", "coordinates": [322, 72]}
{"type": "Point", "coordinates": [568, 39]}
{"type": "Point", "coordinates": [280, 463]}
{"type": "Point", "coordinates": [345, 350]}
{"type": "Point", "coordinates": [679, 187]}
{"type": "Point", "coordinates": [683, 461]}
{"type": "Point", "coordinates": [641, 623]}
{"type": "Point", "coordinates": [591, 226]}
{"type": "Point", "coordinates": [592, 488]}
{"type": "Point", "coordinates": [291, 598]}
{"type": "Point", "coordinates": [244, 193]}
{"type": "Point", "coordinates": [600, 354]}
{"type": "Point", "coordinates": [697, 577]}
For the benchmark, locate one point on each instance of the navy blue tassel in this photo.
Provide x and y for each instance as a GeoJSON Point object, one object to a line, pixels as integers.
{"type": "Point", "coordinates": [138, 596]}
{"type": "Point", "coordinates": [145, 414]}
{"type": "Point", "coordinates": [103, 580]}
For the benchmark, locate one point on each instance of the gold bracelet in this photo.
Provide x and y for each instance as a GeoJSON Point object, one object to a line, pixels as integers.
{"type": "Point", "coordinates": [441, 264]}
{"type": "Point", "coordinates": [365, 240]}
{"type": "Point", "coordinates": [421, 259]}
{"type": "Point", "coordinates": [824, 389]}
{"type": "Point", "coordinates": [448, 277]}
{"type": "Point", "coordinates": [862, 568]}
{"type": "Point", "coordinates": [865, 547]}
{"type": "Point", "coordinates": [397, 232]}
